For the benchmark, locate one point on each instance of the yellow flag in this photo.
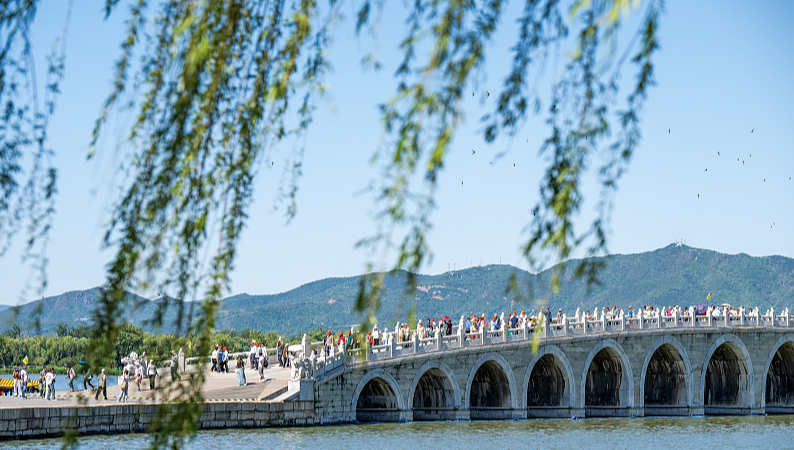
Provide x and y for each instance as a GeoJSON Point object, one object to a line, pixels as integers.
{"type": "Point", "coordinates": [25, 361]}
{"type": "Point", "coordinates": [708, 297]}
{"type": "Point", "coordinates": [189, 344]}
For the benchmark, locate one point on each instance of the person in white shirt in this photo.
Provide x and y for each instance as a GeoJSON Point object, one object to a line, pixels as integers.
{"type": "Point", "coordinates": [24, 376]}
{"type": "Point", "coordinates": [50, 385]}
{"type": "Point", "coordinates": [215, 360]}
{"type": "Point", "coordinates": [261, 362]}
{"type": "Point", "coordinates": [252, 355]}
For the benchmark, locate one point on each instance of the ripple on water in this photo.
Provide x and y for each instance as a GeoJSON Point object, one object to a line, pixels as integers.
{"type": "Point", "coordinates": [669, 433]}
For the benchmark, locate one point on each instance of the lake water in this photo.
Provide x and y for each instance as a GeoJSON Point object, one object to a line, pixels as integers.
{"type": "Point", "coordinates": [764, 432]}
{"type": "Point", "coordinates": [62, 383]}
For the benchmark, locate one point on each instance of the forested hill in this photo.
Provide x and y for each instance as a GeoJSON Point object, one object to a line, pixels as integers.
{"type": "Point", "coordinates": [667, 276]}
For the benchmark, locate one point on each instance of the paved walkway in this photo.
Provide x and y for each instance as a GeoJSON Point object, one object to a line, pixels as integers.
{"type": "Point", "coordinates": [217, 387]}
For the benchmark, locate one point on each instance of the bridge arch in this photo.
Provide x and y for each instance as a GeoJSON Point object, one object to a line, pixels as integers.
{"type": "Point", "coordinates": [608, 354]}
{"type": "Point", "coordinates": [670, 367]}
{"type": "Point", "coordinates": [727, 354]}
{"type": "Point", "coordinates": [495, 386]}
{"type": "Point", "coordinates": [779, 391]}
{"type": "Point", "coordinates": [434, 393]}
{"type": "Point", "coordinates": [377, 398]}
{"type": "Point", "coordinates": [552, 361]}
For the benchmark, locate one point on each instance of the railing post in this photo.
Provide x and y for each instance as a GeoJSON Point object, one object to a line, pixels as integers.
{"type": "Point", "coordinates": [708, 313]}
{"type": "Point", "coordinates": [416, 343]}
{"type": "Point", "coordinates": [584, 325]}
{"type": "Point", "coordinates": [675, 318]}
{"type": "Point", "coordinates": [757, 317]}
{"type": "Point", "coordinates": [564, 327]}
{"type": "Point", "coordinates": [439, 339]}
{"type": "Point", "coordinates": [545, 327]}
{"type": "Point", "coordinates": [524, 331]}
{"type": "Point", "coordinates": [622, 323]}
{"type": "Point", "coordinates": [482, 335]}
{"type": "Point", "coordinates": [639, 316]}
{"type": "Point", "coordinates": [741, 317]}
{"type": "Point", "coordinates": [391, 348]}
{"type": "Point", "coordinates": [603, 323]}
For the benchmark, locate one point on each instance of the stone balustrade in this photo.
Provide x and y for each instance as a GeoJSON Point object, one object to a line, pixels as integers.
{"type": "Point", "coordinates": [570, 327]}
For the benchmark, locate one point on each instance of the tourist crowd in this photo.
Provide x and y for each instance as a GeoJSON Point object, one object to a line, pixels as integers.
{"type": "Point", "coordinates": [431, 328]}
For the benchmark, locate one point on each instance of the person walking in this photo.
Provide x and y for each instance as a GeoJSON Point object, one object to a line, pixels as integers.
{"type": "Point", "coordinates": [101, 385]}
{"type": "Point", "coordinates": [124, 385]}
{"type": "Point", "coordinates": [138, 376]}
{"type": "Point", "coordinates": [279, 352]}
{"type": "Point", "coordinates": [241, 371]}
{"type": "Point", "coordinates": [43, 381]}
{"type": "Point", "coordinates": [15, 376]}
{"type": "Point", "coordinates": [24, 379]}
{"type": "Point", "coordinates": [50, 384]}
{"type": "Point", "coordinates": [87, 380]}
{"type": "Point", "coordinates": [70, 375]}
{"type": "Point", "coordinates": [152, 374]}
{"type": "Point", "coordinates": [262, 360]}
{"type": "Point", "coordinates": [215, 367]}
{"type": "Point", "coordinates": [174, 371]}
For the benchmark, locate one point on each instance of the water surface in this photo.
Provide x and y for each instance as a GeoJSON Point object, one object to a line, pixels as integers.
{"type": "Point", "coordinates": [765, 432]}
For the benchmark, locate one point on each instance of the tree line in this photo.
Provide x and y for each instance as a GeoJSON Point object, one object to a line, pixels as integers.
{"type": "Point", "coordinates": [69, 344]}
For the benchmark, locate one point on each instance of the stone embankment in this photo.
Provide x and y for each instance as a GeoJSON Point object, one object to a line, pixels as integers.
{"type": "Point", "coordinates": [42, 422]}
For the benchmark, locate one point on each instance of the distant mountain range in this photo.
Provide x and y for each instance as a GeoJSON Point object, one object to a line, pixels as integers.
{"type": "Point", "coordinates": [673, 275]}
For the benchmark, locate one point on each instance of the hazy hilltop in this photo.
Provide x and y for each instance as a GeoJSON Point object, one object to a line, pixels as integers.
{"type": "Point", "coordinates": [673, 275]}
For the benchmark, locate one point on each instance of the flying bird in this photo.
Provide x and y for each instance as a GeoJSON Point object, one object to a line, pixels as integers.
{"type": "Point", "coordinates": [514, 164]}
{"type": "Point", "coordinates": [472, 93]}
{"type": "Point", "coordinates": [718, 153]}
{"type": "Point", "coordinates": [487, 94]}
{"type": "Point", "coordinates": [553, 107]}
{"type": "Point", "coordinates": [751, 155]}
{"type": "Point", "coordinates": [764, 180]}
{"type": "Point", "coordinates": [752, 130]}
{"type": "Point", "coordinates": [707, 169]}
{"type": "Point", "coordinates": [742, 161]}
{"type": "Point", "coordinates": [472, 151]}
{"type": "Point", "coordinates": [271, 163]}
{"type": "Point", "coordinates": [668, 131]}
{"type": "Point", "coordinates": [491, 163]}
{"type": "Point", "coordinates": [698, 195]}
{"type": "Point", "coordinates": [461, 183]}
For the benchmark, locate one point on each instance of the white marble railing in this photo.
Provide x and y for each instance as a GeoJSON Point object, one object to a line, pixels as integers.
{"type": "Point", "coordinates": [569, 327]}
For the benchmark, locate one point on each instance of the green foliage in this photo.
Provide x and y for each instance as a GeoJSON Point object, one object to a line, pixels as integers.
{"type": "Point", "coordinates": [218, 83]}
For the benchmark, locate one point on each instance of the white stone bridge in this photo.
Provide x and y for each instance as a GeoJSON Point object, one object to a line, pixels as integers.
{"type": "Point", "coordinates": [672, 366]}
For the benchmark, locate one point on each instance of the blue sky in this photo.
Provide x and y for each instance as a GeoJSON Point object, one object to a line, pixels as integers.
{"type": "Point", "coordinates": [724, 69]}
